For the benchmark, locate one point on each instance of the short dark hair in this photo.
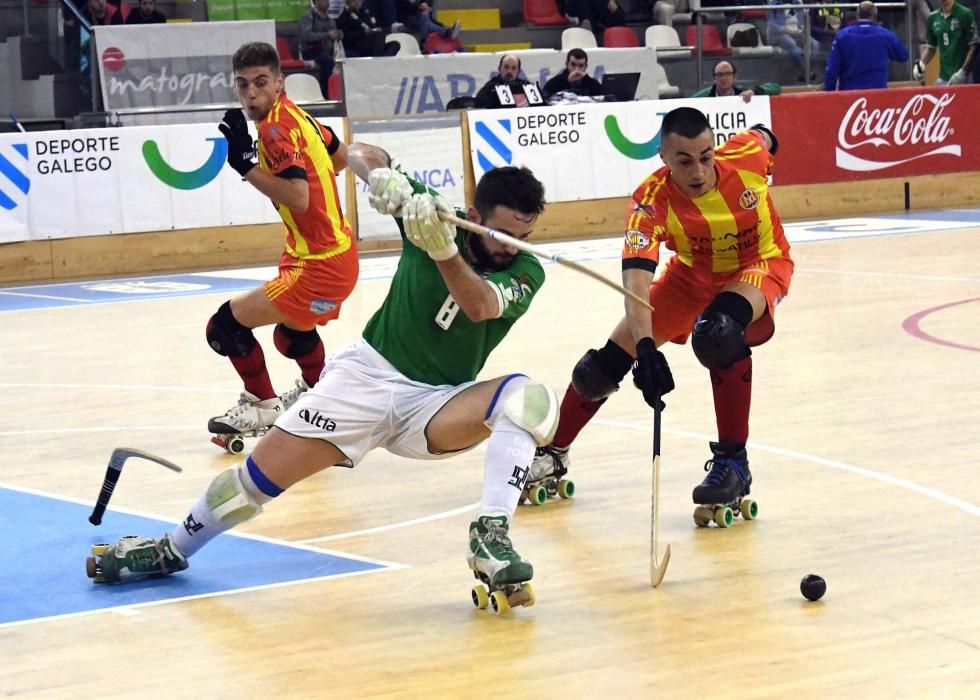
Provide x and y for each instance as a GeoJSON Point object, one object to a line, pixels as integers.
{"type": "Point", "coordinates": [256, 54]}
{"type": "Point", "coordinates": [577, 54]}
{"type": "Point", "coordinates": [511, 187]}
{"type": "Point", "coordinates": [684, 121]}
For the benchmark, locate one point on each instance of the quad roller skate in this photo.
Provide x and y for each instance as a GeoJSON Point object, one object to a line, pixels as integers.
{"type": "Point", "coordinates": [250, 417]}
{"type": "Point", "coordinates": [721, 496]}
{"type": "Point", "coordinates": [134, 557]}
{"type": "Point", "coordinates": [504, 574]}
{"type": "Point", "coordinates": [548, 467]}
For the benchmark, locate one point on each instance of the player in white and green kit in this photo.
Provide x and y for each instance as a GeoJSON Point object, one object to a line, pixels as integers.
{"type": "Point", "coordinates": [952, 30]}
{"type": "Point", "coordinates": [409, 385]}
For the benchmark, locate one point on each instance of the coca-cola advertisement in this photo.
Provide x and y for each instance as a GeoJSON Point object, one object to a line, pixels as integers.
{"type": "Point", "coordinates": [860, 135]}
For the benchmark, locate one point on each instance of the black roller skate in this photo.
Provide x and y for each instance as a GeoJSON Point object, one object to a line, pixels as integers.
{"type": "Point", "coordinates": [550, 464]}
{"type": "Point", "coordinates": [721, 496]}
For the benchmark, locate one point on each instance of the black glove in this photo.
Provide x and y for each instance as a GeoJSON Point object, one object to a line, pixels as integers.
{"type": "Point", "coordinates": [651, 375]}
{"type": "Point", "coordinates": [241, 148]}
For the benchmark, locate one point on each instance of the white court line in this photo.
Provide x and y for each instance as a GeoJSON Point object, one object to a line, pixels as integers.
{"type": "Point", "coordinates": [392, 526]}
{"type": "Point", "coordinates": [927, 491]}
{"type": "Point", "coordinates": [123, 387]}
{"type": "Point", "coordinates": [45, 296]}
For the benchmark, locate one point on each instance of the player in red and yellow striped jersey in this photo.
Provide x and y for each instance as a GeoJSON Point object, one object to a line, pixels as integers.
{"type": "Point", "coordinates": [298, 163]}
{"type": "Point", "coordinates": [731, 267]}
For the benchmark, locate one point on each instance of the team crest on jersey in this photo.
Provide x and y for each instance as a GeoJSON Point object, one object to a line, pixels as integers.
{"type": "Point", "coordinates": [636, 240]}
{"type": "Point", "coordinates": [749, 199]}
{"type": "Point", "coordinates": [322, 306]}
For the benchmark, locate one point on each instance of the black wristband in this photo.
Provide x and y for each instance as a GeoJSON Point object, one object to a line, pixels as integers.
{"type": "Point", "coordinates": [645, 346]}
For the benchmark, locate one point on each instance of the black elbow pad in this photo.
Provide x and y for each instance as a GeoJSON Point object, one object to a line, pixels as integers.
{"type": "Point", "coordinates": [768, 132]}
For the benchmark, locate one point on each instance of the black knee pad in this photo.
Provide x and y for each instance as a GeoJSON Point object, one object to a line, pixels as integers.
{"type": "Point", "coordinates": [598, 374]}
{"type": "Point", "coordinates": [227, 336]}
{"type": "Point", "coordinates": [719, 333]}
{"type": "Point", "coordinates": [295, 344]}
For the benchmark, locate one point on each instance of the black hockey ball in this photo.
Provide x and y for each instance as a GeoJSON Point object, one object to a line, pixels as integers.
{"type": "Point", "coordinates": [813, 587]}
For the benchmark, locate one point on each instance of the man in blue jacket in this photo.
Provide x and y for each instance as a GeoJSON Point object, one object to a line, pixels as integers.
{"type": "Point", "coordinates": [860, 53]}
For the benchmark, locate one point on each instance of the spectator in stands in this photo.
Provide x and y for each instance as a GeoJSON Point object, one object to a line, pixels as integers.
{"type": "Point", "coordinates": [362, 35]}
{"type": "Point", "coordinates": [574, 78]}
{"type": "Point", "coordinates": [825, 22]}
{"type": "Point", "coordinates": [317, 34]}
{"type": "Point", "coordinates": [953, 31]}
{"type": "Point", "coordinates": [599, 14]}
{"type": "Point", "coordinates": [506, 89]}
{"type": "Point", "coordinates": [922, 9]}
{"type": "Point", "coordinates": [95, 12]}
{"type": "Point", "coordinates": [418, 17]}
{"type": "Point", "coordinates": [725, 85]}
{"type": "Point", "coordinates": [785, 30]}
{"type": "Point", "coordinates": [146, 12]}
{"type": "Point", "coordinates": [860, 54]}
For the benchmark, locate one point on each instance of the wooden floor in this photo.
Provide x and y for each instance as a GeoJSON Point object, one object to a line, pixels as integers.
{"type": "Point", "coordinates": [864, 451]}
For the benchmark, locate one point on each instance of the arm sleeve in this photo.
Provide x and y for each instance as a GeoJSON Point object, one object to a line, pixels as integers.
{"type": "Point", "coordinates": [931, 40]}
{"type": "Point", "coordinates": [833, 67]}
{"type": "Point", "coordinates": [896, 50]}
{"type": "Point", "coordinates": [645, 229]}
{"type": "Point", "coordinates": [517, 285]}
{"type": "Point", "coordinates": [486, 98]}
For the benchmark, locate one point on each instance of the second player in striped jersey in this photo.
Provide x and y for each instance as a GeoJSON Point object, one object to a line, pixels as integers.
{"type": "Point", "coordinates": [731, 267]}
{"type": "Point", "coordinates": [297, 167]}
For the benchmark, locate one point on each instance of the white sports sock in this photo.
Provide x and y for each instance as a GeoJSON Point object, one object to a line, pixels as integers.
{"type": "Point", "coordinates": [509, 454]}
{"type": "Point", "coordinates": [200, 526]}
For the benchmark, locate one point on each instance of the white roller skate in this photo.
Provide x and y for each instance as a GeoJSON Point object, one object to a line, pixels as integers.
{"type": "Point", "coordinates": [290, 396]}
{"type": "Point", "coordinates": [494, 561]}
{"type": "Point", "coordinates": [134, 557]}
{"type": "Point", "coordinates": [250, 417]}
{"type": "Point", "coordinates": [548, 467]}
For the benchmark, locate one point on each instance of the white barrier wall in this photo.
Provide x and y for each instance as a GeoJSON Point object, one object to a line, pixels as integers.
{"type": "Point", "coordinates": [62, 184]}
{"type": "Point", "coordinates": [594, 151]}
{"type": "Point", "coordinates": [424, 84]}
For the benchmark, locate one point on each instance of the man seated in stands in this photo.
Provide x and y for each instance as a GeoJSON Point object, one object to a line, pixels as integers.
{"type": "Point", "coordinates": [507, 88]}
{"type": "Point", "coordinates": [574, 78]}
{"type": "Point", "coordinates": [317, 34]}
{"type": "Point", "coordinates": [146, 13]}
{"type": "Point", "coordinates": [725, 85]}
{"type": "Point", "coordinates": [362, 35]}
{"type": "Point", "coordinates": [599, 14]}
{"type": "Point", "coordinates": [419, 18]}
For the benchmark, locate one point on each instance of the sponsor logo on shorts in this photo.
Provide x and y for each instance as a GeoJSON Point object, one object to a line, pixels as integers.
{"type": "Point", "coordinates": [318, 420]}
{"type": "Point", "coordinates": [636, 240]}
{"type": "Point", "coordinates": [322, 306]}
{"type": "Point", "coordinates": [749, 199]}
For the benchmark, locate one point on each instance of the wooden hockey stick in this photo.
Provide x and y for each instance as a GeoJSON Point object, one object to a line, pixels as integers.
{"type": "Point", "coordinates": [112, 472]}
{"type": "Point", "coordinates": [538, 251]}
{"type": "Point", "coordinates": [657, 571]}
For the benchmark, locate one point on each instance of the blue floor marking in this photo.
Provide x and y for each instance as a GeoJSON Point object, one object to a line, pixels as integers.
{"type": "Point", "coordinates": [46, 540]}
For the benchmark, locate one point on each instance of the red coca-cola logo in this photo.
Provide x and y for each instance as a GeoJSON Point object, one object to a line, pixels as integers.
{"type": "Point", "coordinates": [919, 123]}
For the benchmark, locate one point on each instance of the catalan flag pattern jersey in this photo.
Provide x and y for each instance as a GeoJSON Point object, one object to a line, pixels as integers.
{"type": "Point", "coordinates": [292, 143]}
{"type": "Point", "coordinates": [732, 227]}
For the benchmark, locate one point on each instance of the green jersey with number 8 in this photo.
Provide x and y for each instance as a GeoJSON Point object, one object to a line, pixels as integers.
{"type": "Point", "coordinates": [422, 331]}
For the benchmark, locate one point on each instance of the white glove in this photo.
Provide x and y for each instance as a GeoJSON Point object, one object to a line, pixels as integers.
{"type": "Point", "coordinates": [426, 230]}
{"type": "Point", "coordinates": [388, 190]}
{"type": "Point", "coordinates": [918, 70]}
{"type": "Point", "coordinates": [957, 77]}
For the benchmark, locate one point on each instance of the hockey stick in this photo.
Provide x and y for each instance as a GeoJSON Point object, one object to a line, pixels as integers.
{"type": "Point", "coordinates": [538, 251]}
{"type": "Point", "coordinates": [112, 472]}
{"type": "Point", "coordinates": [657, 571]}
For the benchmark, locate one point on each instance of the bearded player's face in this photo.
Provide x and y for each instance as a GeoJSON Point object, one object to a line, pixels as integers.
{"type": "Point", "coordinates": [493, 254]}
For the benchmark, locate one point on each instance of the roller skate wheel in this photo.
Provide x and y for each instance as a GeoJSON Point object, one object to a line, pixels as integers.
{"type": "Point", "coordinates": [90, 567]}
{"type": "Point", "coordinates": [99, 549]}
{"type": "Point", "coordinates": [528, 590]}
{"type": "Point", "coordinates": [566, 488]}
{"type": "Point", "coordinates": [538, 495]}
{"type": "Point", "coordinates": [750, 509]}
{"type": "Point", "coordinates": [724, 517]}
{"type": "Point", "coordinates": [480, 597]}
{"type": "Point", "coordinates": [236, 446]}
{"type": "Point", "coordinates": [498, 602]}
{"type": "Point", "coordinates": [702, 517]}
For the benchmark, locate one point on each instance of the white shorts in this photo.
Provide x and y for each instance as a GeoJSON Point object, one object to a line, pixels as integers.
{"type": "Point", "coordinates": [362, 402]}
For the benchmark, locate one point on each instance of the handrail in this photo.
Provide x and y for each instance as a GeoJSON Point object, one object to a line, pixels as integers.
{"type": "Point", "coordinates": [78, 14]}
